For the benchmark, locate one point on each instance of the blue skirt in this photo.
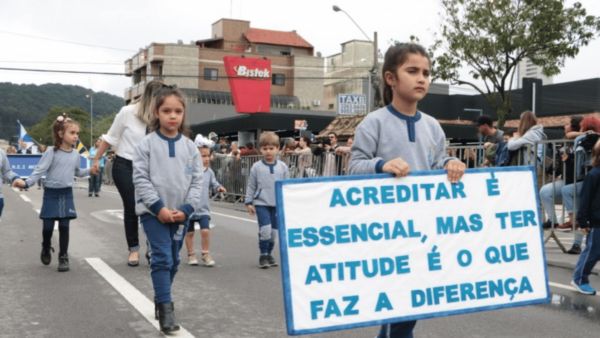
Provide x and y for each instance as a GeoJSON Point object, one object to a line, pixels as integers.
{"type": "Point", "coordinates": [58, 203]}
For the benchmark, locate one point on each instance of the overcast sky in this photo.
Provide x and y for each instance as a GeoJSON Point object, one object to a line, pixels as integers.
{"type": "Point", "coordinates": [125, 26]}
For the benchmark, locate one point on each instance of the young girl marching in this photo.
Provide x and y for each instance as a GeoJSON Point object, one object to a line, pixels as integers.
{"type": "Point", "coordinates": [60, 163]}
{"type": "Point", "coordinates": [399, 138]}
{"type": "Point", "coordinates": [167, 175]}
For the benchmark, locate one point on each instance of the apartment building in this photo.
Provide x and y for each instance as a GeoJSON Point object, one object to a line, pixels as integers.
{"type": "Point", "coordinates": [197, 68]}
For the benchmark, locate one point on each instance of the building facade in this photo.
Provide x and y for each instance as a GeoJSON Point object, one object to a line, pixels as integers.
{"type": "Point", "coordinates": [527, 69]}
{"type": "Point", "coordinates": [198, 69]}
{"type": "Point", "coordinates": [351, 72]}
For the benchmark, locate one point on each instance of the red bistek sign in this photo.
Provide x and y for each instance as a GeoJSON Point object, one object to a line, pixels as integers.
{"type": "Point", "coordinates": [250, 83]}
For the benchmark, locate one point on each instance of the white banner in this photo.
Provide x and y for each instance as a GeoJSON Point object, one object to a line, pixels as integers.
{"type": "Point", "coordinates": [374, 249]}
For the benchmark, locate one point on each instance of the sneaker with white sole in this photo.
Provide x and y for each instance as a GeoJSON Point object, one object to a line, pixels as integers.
{"type": "Point", "coordinates": [208, 260]}
{"type": "Point", "coordinates": [586, 289]}
{"type": "Point", "coordinates": [192, 260]}
{"type": "Point", "coordinates": [272, 261]}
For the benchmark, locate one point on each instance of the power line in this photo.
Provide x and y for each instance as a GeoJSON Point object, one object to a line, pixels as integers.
{"type": "Point", "coordinates": [69, 42]}
{"type": "Point", "coordinates": [165, 76]}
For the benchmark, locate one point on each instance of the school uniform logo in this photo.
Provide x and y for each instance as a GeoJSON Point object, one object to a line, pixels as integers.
{"type": "Point", "coordinates": [430, 155]}
{"type": "Point", "coordinates": [189, 169]}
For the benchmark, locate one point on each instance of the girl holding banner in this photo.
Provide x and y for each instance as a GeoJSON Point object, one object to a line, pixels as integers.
{"type": "Point", "coordinates": [419, 141]}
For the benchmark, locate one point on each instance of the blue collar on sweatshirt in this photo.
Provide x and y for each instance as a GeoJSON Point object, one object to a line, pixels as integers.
{"type": "Point", "coordinates": [171, 142]}
{"type": "Point", "coordinates": [270, 165]}
{"type": "Point", "coordinates": [410, 121]}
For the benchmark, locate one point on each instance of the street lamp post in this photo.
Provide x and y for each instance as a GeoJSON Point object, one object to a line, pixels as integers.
{"type": "Point", "coordinates": [372, 71]}
{"type": "Point", "coordinates": [91, 97]}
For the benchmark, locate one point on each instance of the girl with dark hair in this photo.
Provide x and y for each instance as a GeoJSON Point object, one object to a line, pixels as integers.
{"type": "Point", "coordinates": [126, 132]}
{"type": "Point", "coordinates": [419, 143]}
{"type": "Point", "coordinates": [167, 176]}
{"type": "Point", "coordinates": [59, 163]}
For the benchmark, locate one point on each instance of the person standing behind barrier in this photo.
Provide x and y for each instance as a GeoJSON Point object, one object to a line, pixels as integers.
{"type": "Point", "coordinates": [418, 143]}
{"type": "Point", "coordinates": [60, 163]}
{"type": "Point", "coordinates": [345, 153]}
{"type": "Point", "coordinates": [590, 124]}
{"type": "Point", "coordinates": [551, 193]}
{"type": "Point", "coordinates": [95, 181]}
{"type": "Point", "coordinates": [529, 133]}
{"type": "Point", "coordinates": [304, 157]}
{"type": "Point", "coordinates": [202, 214]}
{"type": "Point", "coordinates": [126, 132]}
{"type": "Point", "coordinates": [491, 135]}
{"type": "Point", "coordinates": [167, 176]}
{"type": "Point", "coordinates": [588, 217]}
{"type": "Point", "coordinates": [260, 196]}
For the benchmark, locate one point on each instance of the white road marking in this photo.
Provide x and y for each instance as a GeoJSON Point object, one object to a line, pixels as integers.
{"type": "Point", "coordinates": [140, 302]}
{"type": "Point", "coordinates": [16, 189]}
{"type": "Point", "coordinates": [241, 219]}
{"type": "Point", "coordinates": [566, 287]}
{"type": "Point", "coordinates": [25, 198]}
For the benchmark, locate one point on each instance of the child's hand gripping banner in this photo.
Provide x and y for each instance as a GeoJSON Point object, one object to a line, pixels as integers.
{"type": "Point", "coordinates": [375, 249]}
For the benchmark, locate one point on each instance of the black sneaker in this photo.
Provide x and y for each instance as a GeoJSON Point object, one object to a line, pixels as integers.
{"type": "Point", "coordinates": [63, 262]}
{"type": "Point", "coordinates": [97, 195]}
{"type": "Point", "coordinates": [46, 256]}
{"type": "Point", "coordinates": [263, 262]}
{"type": "Point", "coordinates": [548, 225]}
{"type": "Point", "coordinates": [575, 250]}
{"type": "Point", "coordinates": [89, 195]}
{"type": "Point", "coordinates": [272, 261]}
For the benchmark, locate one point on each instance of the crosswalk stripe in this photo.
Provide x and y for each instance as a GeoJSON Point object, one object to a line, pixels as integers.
{"type": "Point", "coordinates": [140, 302]}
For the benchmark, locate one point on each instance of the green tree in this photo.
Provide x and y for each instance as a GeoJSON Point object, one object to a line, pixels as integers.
{"type": "Point", "coordinates": [491, 37]}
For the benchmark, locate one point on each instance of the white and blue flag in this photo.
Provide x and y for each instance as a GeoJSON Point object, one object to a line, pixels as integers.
{"type": "Point", "coordinates": [25, 141]}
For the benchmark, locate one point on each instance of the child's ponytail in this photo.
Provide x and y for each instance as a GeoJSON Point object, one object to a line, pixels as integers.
{"type": "Point", "coordinates": [394, 57]}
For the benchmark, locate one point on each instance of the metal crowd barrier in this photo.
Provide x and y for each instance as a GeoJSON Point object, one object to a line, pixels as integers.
{"type": "Point", "coordinates": [543, 156]}
{"type": "Point", "coordinates": [232, 172]}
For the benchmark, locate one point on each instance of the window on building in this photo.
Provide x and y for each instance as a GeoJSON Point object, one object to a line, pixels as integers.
{"type": "Point", "coordinates": [331, 106]}
{"type": "Point", "coordinates": [285, 53]}
{"type": "Point", "coordinates": [211, 74]}
{"type": "Point", "coordinates": [278, 79]}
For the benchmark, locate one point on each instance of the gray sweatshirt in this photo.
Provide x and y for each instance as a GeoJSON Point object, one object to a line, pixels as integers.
{"type": "Point", "coordinates": [7, 174]}
{"type": "Point", "coordinates": [60, 167]}
{"type": "Point", "coordinates": [209, 182]}
{"type": "Point", "coordinates": [261, 182]}
{"type": "Point", "coordinates": [386, 134]}
{"type": "Point", "coordinates": [533, 135]}
{"type": "Point", "coordinates": [167, 172]}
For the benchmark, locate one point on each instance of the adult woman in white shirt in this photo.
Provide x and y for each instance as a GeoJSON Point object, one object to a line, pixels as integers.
{"type": "Point", "coordinates": [127, 130]}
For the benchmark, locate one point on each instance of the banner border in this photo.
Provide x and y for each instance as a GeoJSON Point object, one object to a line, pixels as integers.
{"type": "Point", "coordinates": [285, 271]}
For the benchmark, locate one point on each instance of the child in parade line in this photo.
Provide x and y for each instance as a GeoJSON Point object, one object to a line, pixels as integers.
{"type": "Point", "coordinates": [260, 196]}
{"type": "Point", "coordinates": [167, 177]}
{"type": "Point", "coordinates": [7, 175]}
{"type": "Point", "coordinates": [588, 217]}
{"type": "Point", "coordinates": [59, 163]}
{"type": "Point", "coordinates": [202, 213]}
{"type": "Point", "coordinates": [419, 143]}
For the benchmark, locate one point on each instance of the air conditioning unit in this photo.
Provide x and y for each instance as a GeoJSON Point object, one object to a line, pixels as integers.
{"type": "Point", "coordinates": [316, 103]}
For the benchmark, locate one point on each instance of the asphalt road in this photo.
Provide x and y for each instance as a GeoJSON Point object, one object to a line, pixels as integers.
{"type": "Point", "coordinates": [232, 299]}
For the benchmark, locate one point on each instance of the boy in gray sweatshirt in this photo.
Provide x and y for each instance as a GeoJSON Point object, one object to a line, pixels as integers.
{"type": "Point", "coordinates": [7, 175]}
{"type": "Point", "coordinates": [260, 196]}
